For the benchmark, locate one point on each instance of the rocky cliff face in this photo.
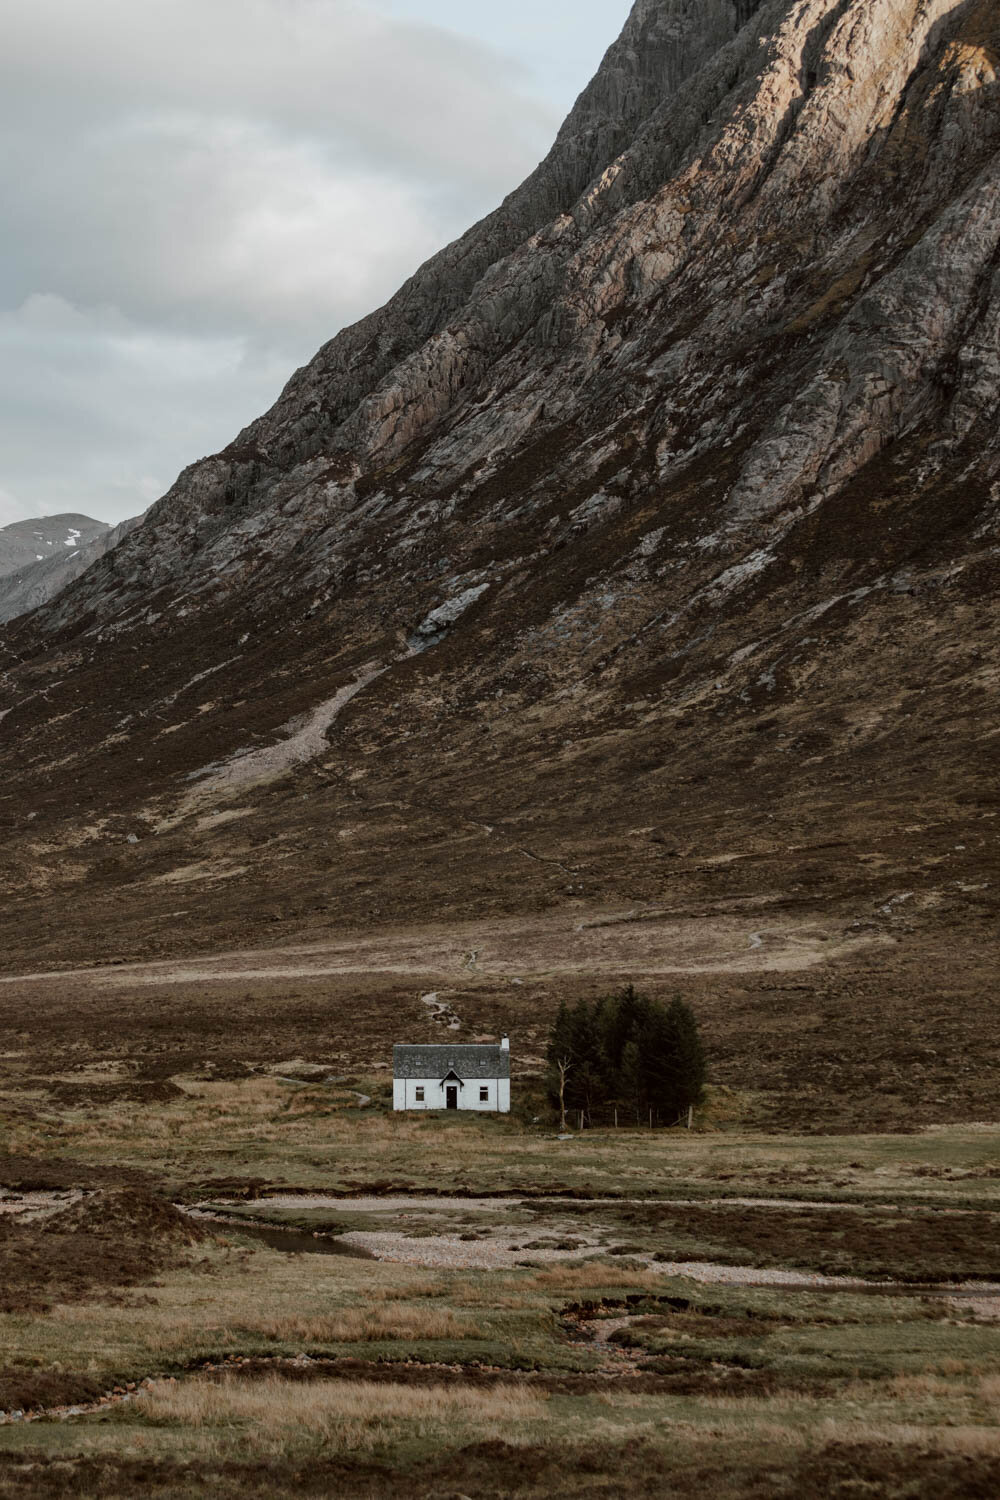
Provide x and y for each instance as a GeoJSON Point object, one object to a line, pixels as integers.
{"type": "Point", "coordinates": [643, 548]}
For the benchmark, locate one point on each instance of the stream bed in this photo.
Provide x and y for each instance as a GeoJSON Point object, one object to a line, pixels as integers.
{"type": "Point", "coordinates": [288, 1241]}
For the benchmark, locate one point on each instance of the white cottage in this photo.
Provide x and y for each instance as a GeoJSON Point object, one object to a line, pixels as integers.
{"type": "Point", "coordinates": [452, 1077]}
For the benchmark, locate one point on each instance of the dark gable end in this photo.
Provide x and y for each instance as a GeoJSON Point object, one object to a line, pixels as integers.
{"type": "Point", "coordinates": [438, 1062]}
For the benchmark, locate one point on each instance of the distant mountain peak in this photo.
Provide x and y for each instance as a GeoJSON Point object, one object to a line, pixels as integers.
{"type": "Point", "coordinates": [41, 555]}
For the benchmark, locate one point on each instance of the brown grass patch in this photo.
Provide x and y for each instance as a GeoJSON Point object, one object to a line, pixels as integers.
{"type": "Point", "coordinates": [343, 1416]}
{"type": "Point", "coordinates": [594, 1276]}
{"type": "Point", "coordinates": [411, 1291]}
{"type": "Point", "coordinates": [359, 1325]}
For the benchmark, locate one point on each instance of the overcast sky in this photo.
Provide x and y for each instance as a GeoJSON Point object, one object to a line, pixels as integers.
{"type": "Point", "coordinates": [198, 193]}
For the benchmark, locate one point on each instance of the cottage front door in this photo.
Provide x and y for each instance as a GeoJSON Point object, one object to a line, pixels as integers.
{"type": "Point", "coordinates": [452, 1097]}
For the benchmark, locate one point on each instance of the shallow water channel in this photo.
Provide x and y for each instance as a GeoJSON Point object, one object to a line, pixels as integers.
{"type": "Point", "coordinates": [290, 1241]}
{"type": "Point", "coordinates": [424, 1250]}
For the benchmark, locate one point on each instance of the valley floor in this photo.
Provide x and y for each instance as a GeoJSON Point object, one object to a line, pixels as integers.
{"type": "Point", "coordinates": [741, 1310]}
{"type": "Point", "coordinates": [815, 1019]}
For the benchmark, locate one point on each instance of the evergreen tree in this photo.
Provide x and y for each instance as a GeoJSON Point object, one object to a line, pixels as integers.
{"type": "Point", "coordinates": [631, 1083]}
{"type": "Point", "coordinates": [560, 1041]}
{"type": "Point", "coordinates": [626, 1052]}
{"type": "Point", "coordinates": [575, 1046]}
{"type": "Point", "coordinates": [589, 1084]}
{"type": "Point", "coordinates": [690, 1068]}
{"type": "Point", "coordinates": [620, 1018]}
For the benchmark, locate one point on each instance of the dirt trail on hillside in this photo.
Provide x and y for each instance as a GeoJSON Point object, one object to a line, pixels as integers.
{"type": "Point", "coordinates": [610, 943]}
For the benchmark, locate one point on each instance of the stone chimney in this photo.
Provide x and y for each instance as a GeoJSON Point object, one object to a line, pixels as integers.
{"type": "Point", "coordinates": [505, 1043]}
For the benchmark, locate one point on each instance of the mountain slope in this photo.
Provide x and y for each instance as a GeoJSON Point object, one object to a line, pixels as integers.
{"type": "Point", "coordinates": [643, 549]}
{"type": "Point", "coordinates": [25, 542]}
{"type": "Point", "coordinates": [39, 558]}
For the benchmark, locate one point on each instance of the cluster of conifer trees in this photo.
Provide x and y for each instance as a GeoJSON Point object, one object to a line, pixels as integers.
{"type": "Point", "coordinates": [626, 1057]}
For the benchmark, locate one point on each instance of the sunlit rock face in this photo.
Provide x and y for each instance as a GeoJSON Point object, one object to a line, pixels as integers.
{"type": "Point", "coordinates": [702, 428]}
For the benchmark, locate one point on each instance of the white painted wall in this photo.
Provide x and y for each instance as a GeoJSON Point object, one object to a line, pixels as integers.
{"type": "Point", "coordinates": [404, 1094]}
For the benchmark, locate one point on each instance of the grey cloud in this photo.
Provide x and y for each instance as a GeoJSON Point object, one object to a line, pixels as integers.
{"type": "Point", "coordinates": [402, 90]}
{"type": "Point", "coordinates": [162, 152]}
{"type": "Point", "coordinates": [97, 414]}
{"type": "Point", "coordinates": [200, 192]}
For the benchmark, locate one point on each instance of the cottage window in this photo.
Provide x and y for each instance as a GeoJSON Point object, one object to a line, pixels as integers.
{"type": "Point", "coordinates": [420, 1096]}
{"type": "Point", "coordinates": [484, 1095]}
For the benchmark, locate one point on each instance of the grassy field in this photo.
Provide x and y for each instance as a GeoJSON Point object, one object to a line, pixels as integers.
{"type": "Point", "coordinates": [261, 1372]}
{"type": "Point", "coordinates": [429, 1375]}
{"type": "Point", "coordinates": [532, 1335]}
{"type": "Point", "coordinates": [276, 1132]}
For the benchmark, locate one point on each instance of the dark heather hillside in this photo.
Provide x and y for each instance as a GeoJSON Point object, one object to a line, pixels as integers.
{"type": "Point", "coordinates": [642, 552]}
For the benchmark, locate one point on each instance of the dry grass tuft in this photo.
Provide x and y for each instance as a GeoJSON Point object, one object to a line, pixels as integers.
{"type": "Point", "coordinates": [594, 1276]}
{"type": "Point", "coordinates": [931, 1386]}
{"type": "Point", "coordinates": [341, 1416]}
{"type": "Point", "coordinates": [411, 1291]}
{"type": "Point", "coordinates": [963, 1439]}
{"type": "Point", "coordinates": [361, 1325]}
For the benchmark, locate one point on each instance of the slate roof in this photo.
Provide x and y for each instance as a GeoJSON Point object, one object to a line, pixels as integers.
{"type": "Point", "coordinates": [491, 1061]}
